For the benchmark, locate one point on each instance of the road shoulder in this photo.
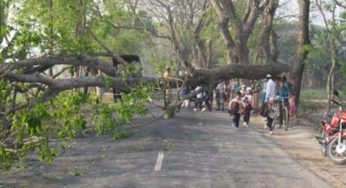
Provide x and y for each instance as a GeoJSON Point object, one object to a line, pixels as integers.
{"type": "Point", "coordinates": [300, 143]}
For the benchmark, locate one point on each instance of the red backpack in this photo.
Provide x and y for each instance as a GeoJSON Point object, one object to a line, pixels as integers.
{"type": "Point", "coordinates": [234, 107]}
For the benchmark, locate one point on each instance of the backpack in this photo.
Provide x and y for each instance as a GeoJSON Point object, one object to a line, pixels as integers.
{"type": "Point", "coordinates": [247, 107]}
{"type": "Point", "coordinates": [264, 111]}
{"type": "Point", "coordinates": [234, 107]}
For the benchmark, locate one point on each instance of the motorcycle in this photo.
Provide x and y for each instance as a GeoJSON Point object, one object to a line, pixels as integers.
{"type": "Point", "coordinates": [336, 149]}
{"type": "Point", "coordinates": [327, 130]}
{"type": "Point", "coordinates": [329, 127]}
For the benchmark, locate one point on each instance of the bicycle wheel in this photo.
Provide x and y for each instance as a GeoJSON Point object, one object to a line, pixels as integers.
{"type": "Point", "coordinates": [285, 118]}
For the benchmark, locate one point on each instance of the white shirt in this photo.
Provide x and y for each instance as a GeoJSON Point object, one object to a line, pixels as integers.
{"type": "Point", "coordinates": [221, 87]}
{"type": "Point", "coordinates": [199, 95]}
{"type": "Point", "coordinates": [271, 90]}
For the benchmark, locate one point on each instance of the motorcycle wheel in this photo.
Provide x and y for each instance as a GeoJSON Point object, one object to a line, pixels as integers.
{"type": "Point", "coordinates": [337, 152]}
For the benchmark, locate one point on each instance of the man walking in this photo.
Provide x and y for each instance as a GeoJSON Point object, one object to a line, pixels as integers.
{"type": "Point", "coordinates": [271, 88]}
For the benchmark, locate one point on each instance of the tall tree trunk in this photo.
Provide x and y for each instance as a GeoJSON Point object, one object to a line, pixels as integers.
{"type": "Point", "coordinates": [242, 49]}
{"type": "Point", "coordinates": [200, 46]}
{"type": "Point", "coordinates": [224, 19]}
{"type": "Point", "coordinates": [331, 75]}
{"type": "Point", "coordinates": [274, 47]}
{"type": "Point", "coordinates": [237, 50]}
{"type": "Point", "coordinates": [51, 33]}
{"type": "Point", "coordinates": [229, 43]}
{"type": "Point", "coordinates": [268, 38]}
{"type": "Point", "coordinates": [334, 51]}
{"type": "Point", "coordinates": [303, 40]}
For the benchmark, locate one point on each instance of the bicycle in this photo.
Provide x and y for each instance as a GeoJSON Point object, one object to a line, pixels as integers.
{"type": "Point", "coordinates": [280, 104]}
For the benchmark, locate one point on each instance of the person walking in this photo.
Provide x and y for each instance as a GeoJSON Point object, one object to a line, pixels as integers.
{"type": "Point", "coordinates": [220, 95]}
{"type": "Point", "coordinates": [184, 92]}
{"type": "Point", "coordinates": [167, 87]}
{"type": "Point", "coordinates": [271, 113]}
{"type": "Point", "coordinates": [284, 93]}
{"type": "Point", "coordinates": [256, 88]}
{"type": "Point", "coordinates": [247, 106]}
{"type": "Point", "coordinates": [270, 89]}
{"type": "Point", "coordinates": [234, 109]}
{"type": "Point", "coordinates": [262, 95]}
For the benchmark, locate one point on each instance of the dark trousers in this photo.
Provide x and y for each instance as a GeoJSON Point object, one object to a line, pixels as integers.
{"type": "Point", "coordinates": [236, 118]}
{"type": "Point", "coordinates": [270, 123]}
{"type": "Point", "coordinates": [246, 117]}
{"type": "Point", "coordinates": [198, 103]}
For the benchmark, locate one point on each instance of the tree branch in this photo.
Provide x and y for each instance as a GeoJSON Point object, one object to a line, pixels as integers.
{"type": "Point", "coordinates": [50, 61]}
{"type": "Point", "coordinates": [340, 4]}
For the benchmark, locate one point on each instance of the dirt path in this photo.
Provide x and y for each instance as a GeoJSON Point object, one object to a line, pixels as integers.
{"type": "Point", "coordinates": [301, 145]}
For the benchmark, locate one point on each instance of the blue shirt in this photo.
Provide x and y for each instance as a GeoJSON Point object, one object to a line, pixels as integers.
{"type": "Point", "coordinates": [284, 91]}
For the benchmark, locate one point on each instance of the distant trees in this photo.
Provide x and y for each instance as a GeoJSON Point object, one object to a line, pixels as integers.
{"type": "Point", "coordinates": [333, 33]}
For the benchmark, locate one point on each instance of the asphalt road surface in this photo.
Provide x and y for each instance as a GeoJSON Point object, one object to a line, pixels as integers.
{"type": "Point", "coordinates": [193, 150]}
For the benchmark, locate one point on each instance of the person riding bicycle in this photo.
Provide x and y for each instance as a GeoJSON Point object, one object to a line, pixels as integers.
{"type": "Point", "coordinates": [283, 93]}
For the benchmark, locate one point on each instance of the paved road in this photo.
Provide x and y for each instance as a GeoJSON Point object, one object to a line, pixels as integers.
{"type": "Point", "coordinates": [193, 150]}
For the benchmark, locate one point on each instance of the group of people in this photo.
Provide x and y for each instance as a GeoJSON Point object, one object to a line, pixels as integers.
{"type": "Point", "coordinates": [243, 99]}
{"type": "Point", "coordinates": [272, 92]}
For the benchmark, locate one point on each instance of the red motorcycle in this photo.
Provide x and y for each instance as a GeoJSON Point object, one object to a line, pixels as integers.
{"type": "Point", "coordinates": [331, 125]}
{"type": "Point", "coordinates": [336, 148]}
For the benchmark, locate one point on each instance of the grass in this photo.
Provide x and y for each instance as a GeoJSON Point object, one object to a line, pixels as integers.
{"type": "Point", "coordinates": [312, 100]}
{"type": "Point", "coordinates": [314, 94]}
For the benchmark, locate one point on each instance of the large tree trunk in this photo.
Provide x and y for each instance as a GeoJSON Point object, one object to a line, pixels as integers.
{"type": "Point", "coordinates": [226, 72]}
{"type": "Point", "coordinates": [296, 73]}
{"type": "Point", "coordinates": [267, 39]}
{"type": "Point", "coordinates": [237, 50]}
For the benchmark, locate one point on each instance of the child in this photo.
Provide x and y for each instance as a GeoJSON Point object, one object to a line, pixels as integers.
{"type": "Point", "coordinates": [246, 111]}
{"type": "Point", "coordinates": [184, 92]}
{"type": "Point", "coordinates": [271, 115]}
{"type": "Point", "coordinates": [234, 109]}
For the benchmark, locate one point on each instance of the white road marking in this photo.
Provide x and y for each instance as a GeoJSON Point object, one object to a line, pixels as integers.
{"type": "Point", "coordinates": [158, 165]}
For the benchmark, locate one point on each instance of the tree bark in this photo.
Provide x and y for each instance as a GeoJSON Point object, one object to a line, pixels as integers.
{"type": "Point", "coordinates": [30, 73]}
{"type": "Point", "coordinates": [267, 36]}
{"type": "Point", "coordinates": [224, 18]}
{"type": "Point", "coordinates": [230, 71]}
{"type": "Point", "coordinates": [296, 72]}
{"type": "Point", "coordinates": [237, 51]}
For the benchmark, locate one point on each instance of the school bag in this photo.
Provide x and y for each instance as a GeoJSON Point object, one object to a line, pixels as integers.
{"type": "Point", "coordinates": [234, 107]}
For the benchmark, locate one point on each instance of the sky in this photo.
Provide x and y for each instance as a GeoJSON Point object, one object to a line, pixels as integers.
{"type": "Point", "coordinates": [291, 7]}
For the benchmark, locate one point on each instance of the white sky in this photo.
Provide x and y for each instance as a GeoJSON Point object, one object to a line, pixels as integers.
{"type": "Point", "coordinates": [290, 7]}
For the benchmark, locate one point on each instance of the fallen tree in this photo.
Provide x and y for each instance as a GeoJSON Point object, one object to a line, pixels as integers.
{"type": "Point", "coordinates": [32, 71]}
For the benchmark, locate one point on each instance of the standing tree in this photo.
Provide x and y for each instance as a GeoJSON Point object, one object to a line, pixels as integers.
{"type": "Point", "coordinates": [333, 31]}
{"type": "Point", "coordinates": [303, 47]}
{"type": "Point", "coordinates": [182, 24]}
{"type": "Point", "coordinates": [237, 20]}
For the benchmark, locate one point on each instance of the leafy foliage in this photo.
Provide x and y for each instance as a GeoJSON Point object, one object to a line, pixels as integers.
{"type": "Point", "coordinates": [111, 117]}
